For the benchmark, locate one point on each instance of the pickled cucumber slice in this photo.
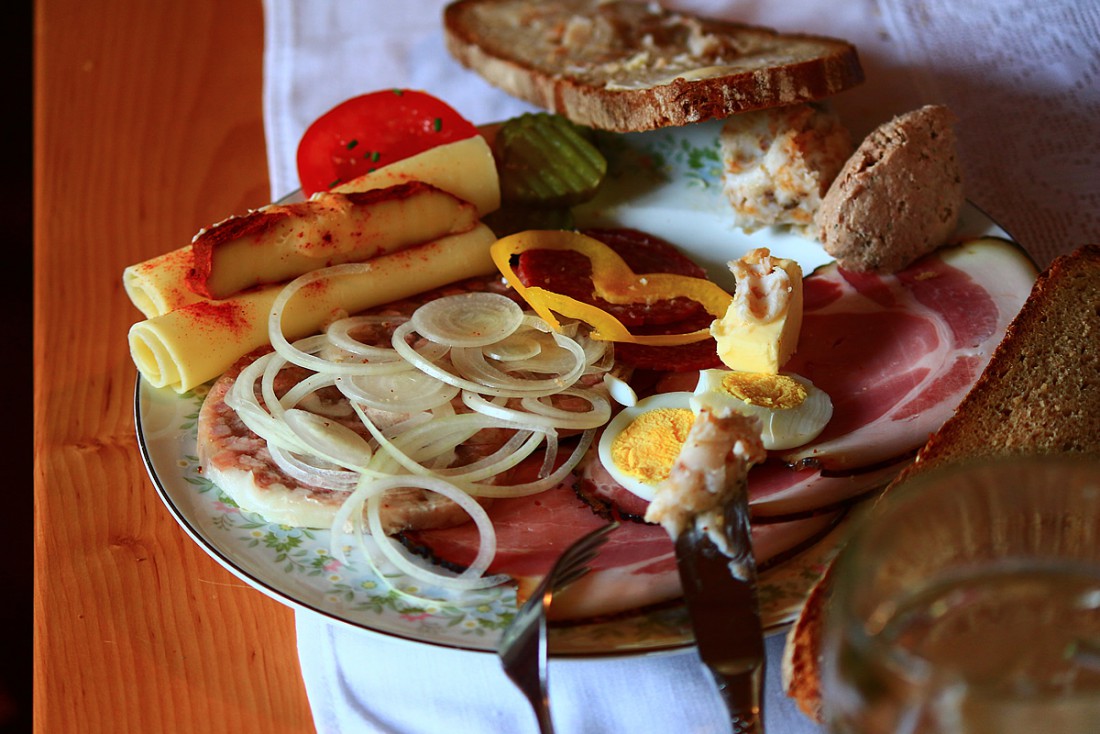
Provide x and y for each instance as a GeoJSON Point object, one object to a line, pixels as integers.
{"type": "Point", "coordinates": [544, 160]}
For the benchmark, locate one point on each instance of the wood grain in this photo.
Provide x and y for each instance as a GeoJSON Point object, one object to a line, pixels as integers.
{"type": "Point", "coordinates": [147, 127]}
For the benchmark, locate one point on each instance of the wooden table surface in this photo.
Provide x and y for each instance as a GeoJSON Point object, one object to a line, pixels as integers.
{"type": "Point", "coordinates": [147, 127]}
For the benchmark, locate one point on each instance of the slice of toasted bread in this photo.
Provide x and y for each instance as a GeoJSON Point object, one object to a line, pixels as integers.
{"type": "Point", "coordinates": [1039, 394]}
{"type": "Point", "coordinates": [625, 65]}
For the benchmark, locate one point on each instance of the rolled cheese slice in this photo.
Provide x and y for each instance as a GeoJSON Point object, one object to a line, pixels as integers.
{"type": "Point", "coordinates": [464, 168]}
{"type": "Point", "coordinates": [279, 242]}
{"type": "Point", "coordinates": [159, 285]}
{"type": "Point", "coordinates": [186, 347]}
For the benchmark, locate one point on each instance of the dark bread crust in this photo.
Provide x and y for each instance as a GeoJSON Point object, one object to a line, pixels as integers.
{"type": "Point", "coordinates": [1039, 394]}
{"type": "Point", "coordinates": [521, 46]}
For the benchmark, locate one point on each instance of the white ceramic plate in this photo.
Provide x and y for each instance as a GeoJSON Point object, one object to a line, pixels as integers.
{"type": "Point", "coordinates": [664, 182]}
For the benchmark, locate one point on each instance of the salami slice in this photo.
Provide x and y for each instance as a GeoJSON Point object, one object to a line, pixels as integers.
{"type": "Point", "coordinates": [570, 273]}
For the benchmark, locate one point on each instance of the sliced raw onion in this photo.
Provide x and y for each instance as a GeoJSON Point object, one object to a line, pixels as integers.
{"type": "Point", "coordinates": [339, 335]}
{"type": "Point", "coordinates": [599, 355]}
{"type": "Point", "coordinates": [295, 353]}
{"type": "Point", "coordinates": [550, 481]}
{"type": "Point", "coordinates": [468, 319]}
{"type": "Point", "coordinates": [538, 414]}
{"type": "Point", "coordinates": [441, 373]}
{"type": "Point", "coordinates": [620, 390]}
{"type": "Point", "coordinates": [408, 391]}
{"type": "Point", "coordinates": [322, 474]}
{"type": "Point", "coordinates": [242, 399]}
{"type": "Point", "coordinates": [565, 365]}
{"type": "Point", "coordinates": [599, 413]}
{"type": "Point", "coordinates": [369, 495]}
{"type": "Point", "coordinates": [295, 395]}
{"type": "Point", "coordinates": [517, 346]}
{"type": "Point", "coordinates": [509, 455]}
{"type": "Point", "coordinates": [329, 440]}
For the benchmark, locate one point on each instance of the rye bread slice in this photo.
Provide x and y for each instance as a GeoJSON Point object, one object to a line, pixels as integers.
{"type": "Point", "coordinates": [1039, 394]}
{"type": "Point", "coordinates": [626, 66]}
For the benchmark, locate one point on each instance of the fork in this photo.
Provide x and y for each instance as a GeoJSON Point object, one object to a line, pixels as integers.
{"type": "Point", "coordinates": [523, 647]}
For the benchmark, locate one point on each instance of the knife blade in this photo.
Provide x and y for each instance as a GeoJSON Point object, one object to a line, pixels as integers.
{"type": "Point", "coordinates": [720, 595]}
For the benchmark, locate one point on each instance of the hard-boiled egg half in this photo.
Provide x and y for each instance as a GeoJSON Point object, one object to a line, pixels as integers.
{"type": "Point", "coordinates": [640, 444]}
{"type": "Point", "coordinates": [792, 410]}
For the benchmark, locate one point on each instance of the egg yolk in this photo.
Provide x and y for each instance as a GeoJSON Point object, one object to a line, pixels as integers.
{"type": "Point", "coordinates": [647, 448]}
{"type": "Point", "coordinates": [776, 392]}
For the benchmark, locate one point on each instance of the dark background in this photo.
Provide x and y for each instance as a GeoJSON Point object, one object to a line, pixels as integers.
{"type": "Point", "coordinates": [17, 509]}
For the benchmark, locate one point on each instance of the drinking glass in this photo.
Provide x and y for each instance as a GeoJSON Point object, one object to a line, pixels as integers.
{"type": "Point", "coordinates": [968, 600]}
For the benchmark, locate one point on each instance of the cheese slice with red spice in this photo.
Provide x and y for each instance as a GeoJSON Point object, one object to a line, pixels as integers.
{"type": "Point", "coordinates": [465, 169]}
{"type": "Point", "coordinates": [195, 343]}
{"type": "Point", "coordinates": [279, 242]}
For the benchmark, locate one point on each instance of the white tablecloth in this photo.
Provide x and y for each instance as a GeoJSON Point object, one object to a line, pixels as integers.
{"type": "Point", "coordinates": [1023, 79]}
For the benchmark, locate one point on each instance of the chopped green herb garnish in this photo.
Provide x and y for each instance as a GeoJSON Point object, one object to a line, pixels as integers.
{"type": "Point", "coordinates": [437, 124]}
{"type": "Point", "coordinates": [334, 182]}
{"type": "Point", "coordinates": [398, 92]}
{"type": "Point", "coordinates": [352, 144]}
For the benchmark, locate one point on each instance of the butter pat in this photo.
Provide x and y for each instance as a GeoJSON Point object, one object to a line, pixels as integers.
{"type": "Point", "coordinates": [759, 331]}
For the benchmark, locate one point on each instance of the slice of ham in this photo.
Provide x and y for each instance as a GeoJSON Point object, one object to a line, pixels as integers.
{"type": "Point", "coordinates": [636, 568]}
{"type": "Point", "coordinates": [780, 493]}
{"type": "Point", "coordinates": [896, 353]}
{"type": "Point", "coordinates": [777, 492]}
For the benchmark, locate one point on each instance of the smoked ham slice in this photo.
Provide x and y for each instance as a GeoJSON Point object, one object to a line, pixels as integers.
{"type": "Point", "coordinates": [636, 568]}
{"type": "Point", "coordinates": [896, 353]}
{"type": "Point", "coordinates": [777, 492]}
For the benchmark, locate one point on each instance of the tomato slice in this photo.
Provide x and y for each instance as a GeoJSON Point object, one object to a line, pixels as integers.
{"type": "Point", "coordinates": [369, 131]}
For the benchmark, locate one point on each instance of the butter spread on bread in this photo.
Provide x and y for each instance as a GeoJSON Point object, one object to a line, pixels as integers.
{"type": "Point", "coordinates": [631, 66]}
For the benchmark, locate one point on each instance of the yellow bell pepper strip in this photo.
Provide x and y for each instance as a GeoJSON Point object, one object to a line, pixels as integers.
{"type": "Point", "coordinates": [613, 281]}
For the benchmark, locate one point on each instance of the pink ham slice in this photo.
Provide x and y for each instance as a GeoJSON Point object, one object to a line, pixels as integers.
{"type": "Point", "coordinates": [777, 492]}
{"type": "Point", "coordinates": [897, 353]}
{"type": "Point", "coordinates": [636, 568]}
